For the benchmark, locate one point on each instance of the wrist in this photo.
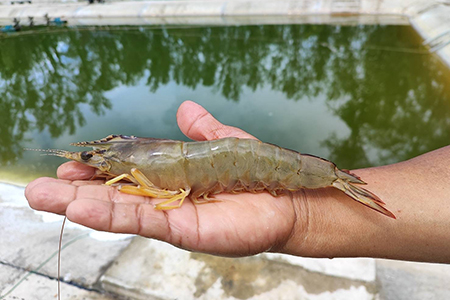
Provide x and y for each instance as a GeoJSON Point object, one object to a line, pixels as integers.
{"type": "Point", "coordinates": [330, 224]}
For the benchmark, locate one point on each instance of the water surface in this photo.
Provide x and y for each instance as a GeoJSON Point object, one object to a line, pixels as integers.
{"type": "Point", "coordinates": [358, 95]}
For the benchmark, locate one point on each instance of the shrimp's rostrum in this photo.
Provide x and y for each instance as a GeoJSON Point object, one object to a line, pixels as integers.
{"type": "Point", "coordinates": [173, 170]}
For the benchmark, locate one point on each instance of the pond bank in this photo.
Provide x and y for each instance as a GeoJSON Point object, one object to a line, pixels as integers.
{"type": "Point", "coordinates": [429, 18]}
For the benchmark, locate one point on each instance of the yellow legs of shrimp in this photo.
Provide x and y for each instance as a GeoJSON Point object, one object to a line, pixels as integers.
{"type": "Point", "coordinates": [146, 188]}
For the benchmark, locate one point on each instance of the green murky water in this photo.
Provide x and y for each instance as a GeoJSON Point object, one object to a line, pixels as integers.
{"type": "Point", "coordinates": [360, 96]}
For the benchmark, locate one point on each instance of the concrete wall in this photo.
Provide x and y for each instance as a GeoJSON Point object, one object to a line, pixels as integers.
{"type": "Point", "coordinates": [431, 18]}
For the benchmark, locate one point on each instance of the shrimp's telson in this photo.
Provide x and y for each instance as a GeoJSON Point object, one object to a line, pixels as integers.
{"type": "Point", "coordinates": [173, 170]}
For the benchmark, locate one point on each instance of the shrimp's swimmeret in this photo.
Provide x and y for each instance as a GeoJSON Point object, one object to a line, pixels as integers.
{"type": "Point", "coordinates": [173, 170]}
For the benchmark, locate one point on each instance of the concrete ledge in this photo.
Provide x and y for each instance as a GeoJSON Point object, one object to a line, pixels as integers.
{"type": "Point", "coordinates": [433, 24]}
{"type": "Point", "coordinates": [38, 287]}
{"type": "Point", "coordinates": [150, 269]}
{"type": "Point", "coordinates": [401, 280]}
{"type": "Point", "coordinates": [138, 9]}
{"type": "Point", "coordinates": [430, 18]}
{"type": "Point", "coordinates": [30, 238]}
{"type": "Point", "coordinates": [241, 20]}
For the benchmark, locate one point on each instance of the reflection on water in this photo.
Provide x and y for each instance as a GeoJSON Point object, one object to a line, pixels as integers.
{"type": "Point", "coordinates": [360, 96]}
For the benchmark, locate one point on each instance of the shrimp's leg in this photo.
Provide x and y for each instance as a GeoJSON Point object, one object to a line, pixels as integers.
{"type": "Point", "coordinates": [142, 179]}
{"type": "Point", "coordinates": [147, 188]}
{"type": "Point", "coordinates": [137, 177]}
{"type": "Point", "coordinates": [120, 177]}
{"type": "Point", "coordinates": [205, 199]}
{"type": "Point", "coordinates": [144, 186]}
{"type": "Point", "coordinates": [149, 192]}
{"type": "Point", "coordinates": [180, 197]}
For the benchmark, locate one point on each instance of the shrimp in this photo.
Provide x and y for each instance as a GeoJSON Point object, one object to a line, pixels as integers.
{"type": "Point", "coordinates": [173, 170]}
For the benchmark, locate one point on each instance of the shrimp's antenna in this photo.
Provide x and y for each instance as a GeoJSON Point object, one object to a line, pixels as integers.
{"type": "Point", "coordinates": [53, 152]}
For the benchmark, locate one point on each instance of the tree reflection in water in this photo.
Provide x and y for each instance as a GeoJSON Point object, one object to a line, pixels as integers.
{"type": "Point", "coordinates": [395, 99]}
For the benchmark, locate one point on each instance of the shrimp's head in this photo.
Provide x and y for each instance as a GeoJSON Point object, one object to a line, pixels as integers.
{"type": "Point", "coordinates": [95, 158]}
{"type": "Point", "coordinates": [107, 154]}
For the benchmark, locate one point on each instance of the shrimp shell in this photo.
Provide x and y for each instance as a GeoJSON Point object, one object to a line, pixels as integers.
{"type": "Point", "coordinates": [174, 169]}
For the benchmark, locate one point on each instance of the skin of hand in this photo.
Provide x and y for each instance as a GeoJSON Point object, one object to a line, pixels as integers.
{"type": "Point", "coordinates": [314, 223]}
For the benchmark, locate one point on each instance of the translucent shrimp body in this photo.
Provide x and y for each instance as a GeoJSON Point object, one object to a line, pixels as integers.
{"type": "Point", "coordinates": [174, 169]}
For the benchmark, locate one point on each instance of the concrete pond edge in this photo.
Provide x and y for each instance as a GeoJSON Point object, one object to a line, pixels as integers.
{"type": "Point", "coordinates": [431, 19]}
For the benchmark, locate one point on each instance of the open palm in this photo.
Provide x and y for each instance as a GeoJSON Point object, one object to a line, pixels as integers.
{"type": "Point", "coordinates": [239, 225]}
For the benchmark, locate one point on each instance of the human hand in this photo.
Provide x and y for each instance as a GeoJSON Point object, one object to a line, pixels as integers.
{"type": "Point", "coordinates": [316, 223]}
{"type": "Point", "coordinates": [239, 225]}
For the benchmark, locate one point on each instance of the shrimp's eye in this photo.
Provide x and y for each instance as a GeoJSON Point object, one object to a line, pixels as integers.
{"type": "Point", "coordinates": [85, 155]}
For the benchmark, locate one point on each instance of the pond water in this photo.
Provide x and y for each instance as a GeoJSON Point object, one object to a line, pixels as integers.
{"type": "Point", "coordinates": [358, 95]}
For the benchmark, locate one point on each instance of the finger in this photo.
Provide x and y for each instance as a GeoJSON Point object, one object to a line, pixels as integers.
{"type": "Point", "coordinates": [49, 194]}
{"type": "Point", "coordinates": [53, 195]}
{"type": "Point", "coordinates": [41, 180]}
{"type": "Point", "coordinates": [177, 227]}
{"type": "Point", "coordinates": [38, 181]}
{"type": "Point", "coordinates": [73, 170]}
{"type": "Point", "coordinates": [139, 219]}
{"type": "Point", "coordinates": [198, 124]}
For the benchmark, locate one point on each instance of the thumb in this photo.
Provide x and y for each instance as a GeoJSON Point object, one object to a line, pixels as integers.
{"type": "Point", "coordinates": [198, 124]}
